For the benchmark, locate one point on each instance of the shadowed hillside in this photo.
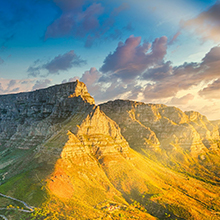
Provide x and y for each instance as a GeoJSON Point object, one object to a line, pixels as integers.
{"type": "Point", "coordinates": [120, 160]}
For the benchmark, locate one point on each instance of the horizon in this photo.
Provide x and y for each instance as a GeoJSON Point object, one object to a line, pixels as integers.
{"type": "Point", "coordinates": [110, 100]}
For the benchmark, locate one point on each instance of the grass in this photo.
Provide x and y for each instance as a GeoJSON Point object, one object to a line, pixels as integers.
{"type": "Point", "coordinates": [163, 184]}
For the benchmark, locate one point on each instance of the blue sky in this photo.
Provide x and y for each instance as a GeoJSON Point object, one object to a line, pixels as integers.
{"type": "Point", "coordinates": [151, 51]}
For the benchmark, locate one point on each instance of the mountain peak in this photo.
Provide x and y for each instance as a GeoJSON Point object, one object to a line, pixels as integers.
{"type": "Point", "coordinates": [81, 90]}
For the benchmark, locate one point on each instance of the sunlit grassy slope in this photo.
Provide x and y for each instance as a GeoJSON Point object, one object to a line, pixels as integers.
{"type": "Point", "coordinates": [92, 173]}
{"type": "Point", "coordinates": [185, 142]}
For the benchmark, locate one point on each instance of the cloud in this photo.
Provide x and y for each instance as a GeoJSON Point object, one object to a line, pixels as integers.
{"type": "Point", "coordinates": [84, 21]}
{"type": "Point", "coordinates": [73, 79]}
{"type": "Point", "coordinates": [63, 62]}
{"type": "Point", "coordinates": [182, 100]}
{"type": "Point", "coordinates": [113, 91]}
{"type": "Point", "coordinates": [76, 24]}
{"type": "Point", "coordinates": [168, 80]}
{"type": "Point", "coordinates": [212, 91]}
{"type": "Point", "coordinates": [40, 84]}
{"type": "Point", "coordinates": [212, 58]}
{"type": "Point", "coordinates": [59, 63]}
{"type": "Point", "coordinates": [122, 7]}
{"type": "Point", "coordinates": [106, 91]}
{"type": "Point", "coordinates": [207, 23]}
{"type": "Point", "coordinates": [174, 38]}
{"type": "Point", "coordinates": [142, 68]}
{"type": "Point", "coordinates": [158, 72]}
{"type": "Point", "coordinates": [90, 78]}
{"type": "Point", "coordinates": [211, 111]}
{"type": "Point", "coordinates": [60, 27]}
{"type": "Point", "coordinates": [8, 86]}
{"type": "Point", "coordinates": [131, 58]}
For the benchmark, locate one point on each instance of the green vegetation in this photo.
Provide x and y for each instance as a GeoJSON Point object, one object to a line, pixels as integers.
{"type": "Point", "coordinates": [96, 175]}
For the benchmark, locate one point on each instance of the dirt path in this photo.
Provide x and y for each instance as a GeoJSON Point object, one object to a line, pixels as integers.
{"type": "Point", "coordinates": [3, 217]}
{"type": "Point", "coordinates": [30, 208]}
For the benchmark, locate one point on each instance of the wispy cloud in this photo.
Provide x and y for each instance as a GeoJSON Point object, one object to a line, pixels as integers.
{"type": "Point", "coordinates": [6, 39]}
{"type": "Point", "coordinates": [14, 86]}
{"type": "Point", "coordinates": [182, 100]}
{"type": "Point", "coordinates": [212, 91]}
{"type": "Point", "coordinates": [174, 38]}
{"type": "Point", "coordinates": [40, 84]}
{"type": "Point", "coordinates": [62, 62]}
{"type": "Point", "coordinates": [84, 21]}
{"type": "Point", "coordinates": [206, 24]}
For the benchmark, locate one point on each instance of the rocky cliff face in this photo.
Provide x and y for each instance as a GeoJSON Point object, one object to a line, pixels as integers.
{"type": "Point", "coordinates": [162, 126]}
{"type": "Point", "coordinates": [207, 130]}
{"type": "Point", "coordinates": [74, 160]}
{"type": "Point", "coordinates": [184, 141]}
{"type": "Point", "coordinates": [97, 165]}
{"type": "Point", "coordinates": [27, 120]}
{"type": "Point", "coordinates": [97, 138]}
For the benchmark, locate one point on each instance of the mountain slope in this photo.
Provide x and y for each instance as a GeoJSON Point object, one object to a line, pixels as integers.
{"type": "Point", "coordinates": [186, 142]}
{"type": "Point", "coordinates": [119, 160]}
{"type": "Point", "coordinates": [28, 120]}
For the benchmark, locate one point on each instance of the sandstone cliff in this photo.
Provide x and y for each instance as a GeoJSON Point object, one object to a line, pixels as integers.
{"type": "Point", "coordinates": [74, 160]}
{"type": "Point", "coordinates": [98, 167]}
{"type": "Point", "coordinates": [162, 126]}
{"type": "Point", "coordinates": [184, 141]}
{"type": "Point", "coordinates": [27, 120]}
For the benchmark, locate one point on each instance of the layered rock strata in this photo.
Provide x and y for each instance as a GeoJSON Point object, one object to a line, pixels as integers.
{"type": "Point", "coordinates": [28, 120]}
{"type": "Point", "coordinates": [162, 127]}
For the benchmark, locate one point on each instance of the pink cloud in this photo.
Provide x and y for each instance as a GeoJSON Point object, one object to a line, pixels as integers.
{"type": "Point", "coordinates": [182, 100]}
{"type": "Point", "coordinates": [168, 80]}
{"type": "Point", "coordinates": [131, 58]}
{"type": "Point", "coordinates": [8, 86]}
{"type": "Point", "coordinates": [73, 79]}
{"type": "Point", "coordinates": [206, 24]}
{"type": "Point", "coordinates": [212, 91]}
{"type": "Point", "coordinates": [41, 84]}
{"type": "Point", "coordinates": [67, 5]}
{"type": "Point", "coordinates": [174, 38]}
{"type": "Point", "coordinates": [90, 78]}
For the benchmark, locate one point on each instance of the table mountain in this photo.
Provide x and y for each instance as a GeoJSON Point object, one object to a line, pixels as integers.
{"type": "Point", "coordinates": [71, 159]}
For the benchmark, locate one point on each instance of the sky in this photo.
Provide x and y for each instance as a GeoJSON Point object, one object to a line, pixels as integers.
{"type": "Point", "coordinates": [150, 51]}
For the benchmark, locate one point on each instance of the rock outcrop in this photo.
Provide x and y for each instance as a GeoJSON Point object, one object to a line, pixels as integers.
{"type": "Point", "coordinates": [28, 120]}
{"type": "Point", "coordinates": [160, 126]}
{"type": "Point", "coordinates": [97, 136]}
{"type": "Point", "coordinates": [62, 153]}
{"type": "Point", "coordinates": [186, 142]}
{"type": "Point", "coordinates": [98, 159]}
{"type": "Point", "coordinates": [208, 131]}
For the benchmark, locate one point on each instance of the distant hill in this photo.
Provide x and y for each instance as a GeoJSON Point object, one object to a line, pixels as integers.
{"type": "Point", "coordinates": [71, 159]}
